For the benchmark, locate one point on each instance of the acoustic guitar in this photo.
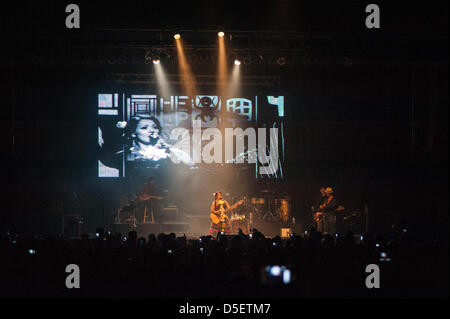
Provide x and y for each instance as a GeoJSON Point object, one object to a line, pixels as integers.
{"type": "Point", "coordinates": [220, 215]}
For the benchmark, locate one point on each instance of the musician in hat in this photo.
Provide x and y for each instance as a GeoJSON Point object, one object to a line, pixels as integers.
{"type": "Point", "coordinates": [325, 217]}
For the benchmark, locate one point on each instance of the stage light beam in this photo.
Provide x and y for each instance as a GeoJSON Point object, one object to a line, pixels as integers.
{"type": "Point", "coordinates": [222, 81]}
{"type": "Point", "coordinates": [187, 77]}
{"type": "Point", "coordinates": [161, 80]}
{"type": "Point", "coordinates": [235, 82]}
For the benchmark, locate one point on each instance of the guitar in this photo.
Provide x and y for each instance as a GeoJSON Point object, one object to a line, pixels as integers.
{"type": "Point", "coordinates": [146, 197]}
{"type": "Point", "coordinates": [221, 214]}
{"type": "Point", "coordinates": [318, 216]}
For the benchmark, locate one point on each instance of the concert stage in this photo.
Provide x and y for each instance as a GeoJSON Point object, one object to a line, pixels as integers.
{"type": "Point", "coordinates": [197, 227]}
{"type": "Point", "coordinates": [319, 130]}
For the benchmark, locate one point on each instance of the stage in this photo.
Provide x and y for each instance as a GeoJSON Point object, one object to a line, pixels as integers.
{"type": "Point", "coordinates": [218, 149]}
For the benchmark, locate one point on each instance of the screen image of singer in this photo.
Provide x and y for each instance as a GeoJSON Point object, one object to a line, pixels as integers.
{"type": "Point", "coordinates": [156, 133]}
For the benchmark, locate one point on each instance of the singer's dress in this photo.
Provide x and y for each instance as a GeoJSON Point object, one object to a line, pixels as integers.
{"type": "Point", "coordinates": [224, 226]}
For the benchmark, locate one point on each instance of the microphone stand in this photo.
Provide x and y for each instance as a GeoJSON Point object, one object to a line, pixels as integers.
{"type": "Point", "coordinates": [103, 210]}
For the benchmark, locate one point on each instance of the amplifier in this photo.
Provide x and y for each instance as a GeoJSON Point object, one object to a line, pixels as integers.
{"type": "Point", "coordinates": [170, 214]}
{"type": "Point", "coordinates": [72, 225]}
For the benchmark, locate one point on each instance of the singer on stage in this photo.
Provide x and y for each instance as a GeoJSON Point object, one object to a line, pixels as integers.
{"type": "Point", "coordinates": [219, 219]}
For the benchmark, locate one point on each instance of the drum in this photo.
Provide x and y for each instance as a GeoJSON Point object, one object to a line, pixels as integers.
{"type": "Point", "coordinates": [259, 205]}
{"type": "Point", "coordinates": [237, 217]}
{"type": "Point", "coordinates": [127, 214]}
{"type": "Point", "coordinates": [258, 201]}
{"type": "Point", "coordinates": [239, 221]}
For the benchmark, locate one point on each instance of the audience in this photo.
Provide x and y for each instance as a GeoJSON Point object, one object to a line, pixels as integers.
{"type": "Point", "coordinates": [166, 266]}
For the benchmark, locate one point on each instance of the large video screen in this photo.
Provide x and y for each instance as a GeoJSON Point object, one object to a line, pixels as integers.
{"type": "Point", "coordinates": [185, 133]}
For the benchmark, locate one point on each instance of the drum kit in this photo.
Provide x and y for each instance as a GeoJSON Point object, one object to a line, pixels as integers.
{"type": "Point", "coordinates": [128, 213]}
{"type": "Point", "coordinates": [265, 206]}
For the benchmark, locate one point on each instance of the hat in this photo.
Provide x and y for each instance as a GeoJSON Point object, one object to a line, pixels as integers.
{"type": "Point", "coordinates": [329, 190]}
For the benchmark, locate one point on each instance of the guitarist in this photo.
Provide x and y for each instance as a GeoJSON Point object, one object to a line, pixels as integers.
{"type": "Point", "coordinates": [326, 217]}
{"type": "Point", "coordinates": [218, 208]}
{"type": "Point", "coordinates": [147, 195]}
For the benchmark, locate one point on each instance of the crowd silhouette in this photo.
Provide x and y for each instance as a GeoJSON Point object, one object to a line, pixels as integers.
{"type": "Point", "coordinates": [167, 266]}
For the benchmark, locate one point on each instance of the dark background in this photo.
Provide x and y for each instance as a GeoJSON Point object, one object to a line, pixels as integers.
{"type": "Point", "coordinates": [367, 114]}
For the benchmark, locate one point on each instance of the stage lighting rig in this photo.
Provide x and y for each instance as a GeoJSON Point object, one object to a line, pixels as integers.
{"type": "Point", "coordinates": [148, 57]}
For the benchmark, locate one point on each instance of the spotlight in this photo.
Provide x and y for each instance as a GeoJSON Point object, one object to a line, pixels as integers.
{"type": "Point", "coordinates": [177, 36]}
{"type": "Point", "coordinates": [237, 62]}
{"type": "Point", "coordinates": [281, 61]}
{"type": "Point", "coordinates": [156, 60]}
{"type": "Point", "coordinates": [221, 34]}
{"type": "Point", "coordinates": [148, 57]}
